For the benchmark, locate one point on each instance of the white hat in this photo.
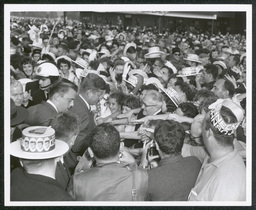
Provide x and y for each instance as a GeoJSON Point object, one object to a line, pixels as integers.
{"type": "Point", "coordinates": [92, 36]}
{"type": "Point", "coordinates": [171, 66]}
{"type": "Point", "coordinates": [228, 50]}
{"type": "Point", "coordinates": [109, 38]}
{"type": "Point", "coordinates": [121, 34]}
{"type": "Point", "coordinates": [63, 57]}
{"type": "Point", "coordinates": [154, 52]}
{"type": "Point", "coordinates": [37, 44]}
{"type": "Point", "coordinates": [46, 69]}
{"type": "Point", "coordinates": [28, 146]}
{"type": "Point", "coordinates": [81, 62]}
{"type": "Point", "coordinates": [127, 46]}
{"type": "Point", "coordinates": [155, 82]}
{"type": "Point", "coordinates": [89, 51]}
{"type": "Point", "coordinates": [173, 95]}
{"type": "Point", "coordinates": [188, 71]}
{"type": "Point", "coordinates": [104, 52]}
{"type": "Point", "coordinates": [217, 119]}
{"type": "Point", "coordinates": [132, 76]}
{"type": "Point", "coordinates": [220, 63]}
{"type": "Point", "coordinates": [192, 57]}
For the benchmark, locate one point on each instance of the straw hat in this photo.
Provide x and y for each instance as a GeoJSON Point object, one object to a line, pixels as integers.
{"type": "Point", "coordinates": [188, 71]}
{"type": "Point", "coordinates": [38, 143]}
{"type": "Point", "coordinates": [127, 46]}
{"type": "Point", "coordinates": [192, 57]}
{"type": "Point", "coordinates": [154, 52]}
{"type": "Point", "coordinates": [155, 82]}
{"type": "Point", "coordinates": [173, 95]}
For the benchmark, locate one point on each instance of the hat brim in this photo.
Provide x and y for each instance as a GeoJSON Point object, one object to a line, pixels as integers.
{"type": "Point", "coordinates": [60, 149]}
{"type": "Point", "coordinates": [181, 75]}
{"type": "Point", "coordinates": [21, 116]}
{"type": "Point", "coordinates": [192, 60]}
{"type": "Point", "coordinates": [154, 54]}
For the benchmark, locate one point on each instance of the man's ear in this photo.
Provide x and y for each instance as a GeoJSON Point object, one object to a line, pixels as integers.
{"type": "Point", "coordinates": [90, 152]}
{"type": "Point", "coordinates": [56, 96]}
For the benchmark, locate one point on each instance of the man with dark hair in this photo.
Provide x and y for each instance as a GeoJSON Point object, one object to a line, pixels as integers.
{"type": "Point", "coordinates": [209, 76]}
{"type": "Point", "coordinates": [109, 179]}
{"type": "Point", "coordinates": [66, 126]}
{"type": "Point", "coordinates": [61, 97]}
{"type": "Point", "coordinates": [175, 176]}
{"type": "Point", "coordinates": [92, 90]}
{"type": "Point", "coordinates": [223, 89]}
{"type": "Point", "coordinates": [222, 176]}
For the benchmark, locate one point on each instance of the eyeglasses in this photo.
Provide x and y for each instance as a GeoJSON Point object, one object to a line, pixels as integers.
{"type": "Point", "coordinates": [177, 54]}
{"type": "Point", "coordinates": [147, 105]}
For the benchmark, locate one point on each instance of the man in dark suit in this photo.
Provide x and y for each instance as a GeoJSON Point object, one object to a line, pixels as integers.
{"type": "Point", "coordinates": [175, 175]}
{"type": "Point", "coordinates": [61, 97]}
{"type": "Point", "coordinates": [92, 89]}
{"type": "Point", "coordinates": [66, 126]}
{"type": "Point", "coordinates": [46, 73]}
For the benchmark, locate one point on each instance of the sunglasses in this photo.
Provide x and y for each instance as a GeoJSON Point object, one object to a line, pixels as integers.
{"type": "Point", "coordinates": [177, 54]}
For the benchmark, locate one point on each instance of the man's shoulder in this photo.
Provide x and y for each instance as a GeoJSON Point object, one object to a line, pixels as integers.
{"type": "Point", "coordinates": [43, 106]}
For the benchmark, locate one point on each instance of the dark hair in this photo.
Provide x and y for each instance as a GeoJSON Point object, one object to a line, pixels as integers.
{"type": "Point", "coordinates": [62, 86]}
{"type": "Point", "coordinates": [131, 50]}
{"type": "Point", "coordinates": [188, 109]}
{"type": "Point", "coordinates": [221, 138]}
{"type": "Point", "coordinates": [171, 107]}
{"type": "Point", "coordinates": [119, 96]}
{"type": "Point", "coordinates": [105, 141]}
{"type": "Point", "coordinates": [185, 87]}
{"type": "Point", "coordinates": [169, 136]}
{"type": "Point", "coordinates": [63, 60]}
{"type": "Point", "coordinates": [47, 56]}
{"type": "Point", "coordinates": [25, 60]}
{"type": "Point", "coordinates": [65, 124]}
{"type": "Point", "coordinates": [92, 82]}
{"type": "Point", "coordinates": [211, 69]}
{"type": "Point", "coordinates": [230, 87]}
{"type": "Point", "coordinates": [236, 59]}
{"type": "Point", "coordinates": [131, 101]}
{"type": "Point", "coordinates": [204, 94]}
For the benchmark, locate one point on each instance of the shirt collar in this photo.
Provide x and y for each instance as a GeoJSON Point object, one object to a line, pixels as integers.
{"type": "Point", "coordinates": [48, 101]}
{"type": "Point", "coordinates": [89, 107]}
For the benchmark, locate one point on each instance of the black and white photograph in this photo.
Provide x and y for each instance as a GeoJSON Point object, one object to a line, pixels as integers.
{"type": "Point", "coordinates": [128, 105]}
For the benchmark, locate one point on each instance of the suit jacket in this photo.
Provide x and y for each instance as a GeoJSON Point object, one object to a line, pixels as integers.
{"type": "Point", "coordinates": [82, 141]}
{"type": "Point", "coordinates": [62, 175]}
{"type": "Point", "coordinates": [173, 179]}
{"type": "Point", "coordinates": [36, 93]}
{"type": "Point", "coordinates": [32, 187]}
{"type": "Point", "coordinates": [41, 114]}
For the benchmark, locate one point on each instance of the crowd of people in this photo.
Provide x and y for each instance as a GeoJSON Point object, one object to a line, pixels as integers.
{"type": "Point", "coordinates": [137, 115]}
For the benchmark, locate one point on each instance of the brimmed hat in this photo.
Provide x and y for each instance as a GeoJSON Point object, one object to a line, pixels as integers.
{"type": "Point", "coordinates": [118, 35]}
{"type": "Point", "coordinates": [64, 57]}
{"type": "Point", "coordinates": [104, 52]}
{"type": "Point", "coordinates": [81, 62]}
{"type": "Point", "coordinates": [127, 46]}
{"type": "Point", "coordinates": [93, 37]}
{"type": "Point", "coordinates": [62, 31]}
{"type": "Point", "coordinates": [220, 63]}
{"type": "Point", "coordinates": [171, 66]}
{"type": "Point", "coordinates": [217, 119]}
{"type": "Point", "coordinates": [38, 145]}
{"type": "Point", "coordinates": [155, 82]}
{"type": "Point", "coordinates": [154, 52]}
{"type": "Point", "coordinates": [18, 114]}
{"type": "Point", "coordinates": [192, 57]}
{"type": "Point", "coordinates": [46, 69]}
{"type": "Point", "coordinates": [173, 95]}
{"type": "Point", "coordinates": [132, 77]}
{"type": "Point", "coordinates": [188, 71]}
